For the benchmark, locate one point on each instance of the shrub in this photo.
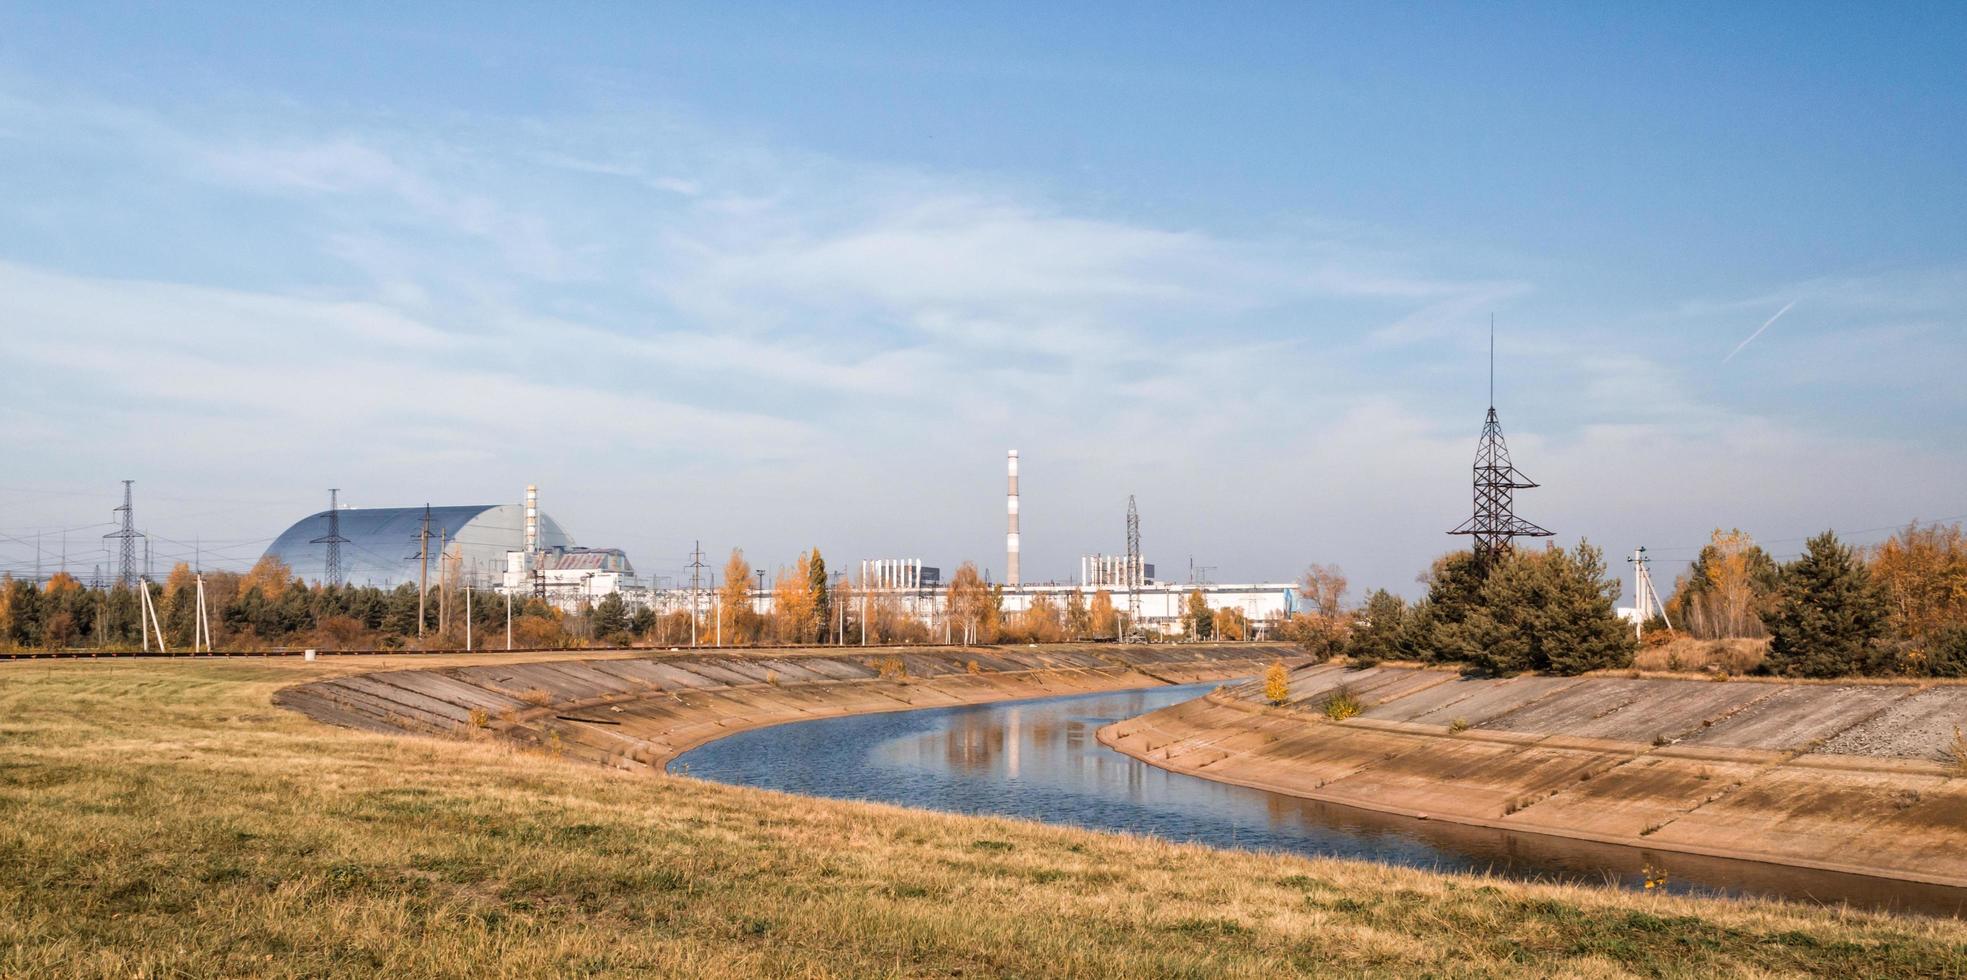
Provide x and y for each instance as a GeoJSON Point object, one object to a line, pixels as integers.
{"type": "Point", "coordinates": [1955, 753]}
{"type": "Point", "coordinates": [1277, 684]}
{"type": "Point", "coordinates": [1342, 705]}
{"type": "Point", "coordinates": [1458, 726]}
{"type": "Point", "coordinates": [537, 696]}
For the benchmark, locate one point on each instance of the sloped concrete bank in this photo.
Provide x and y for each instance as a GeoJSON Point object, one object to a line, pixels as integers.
{"type": "Point", "coordinates": [642, 712]}
{"type": "Point", "coordinates": [1852, 778]}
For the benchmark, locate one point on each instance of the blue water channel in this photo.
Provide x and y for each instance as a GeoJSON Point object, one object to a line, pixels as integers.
{"type": "Point", "coordinates": [1039, 760]}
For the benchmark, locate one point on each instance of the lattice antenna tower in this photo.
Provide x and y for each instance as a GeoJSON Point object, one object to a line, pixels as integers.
{"type": "Point", "coordinates": [126, 535]}
{"type": "Point", "coordinates": [1494, 524]}
{"type": "Point", "coordinates": [333, 540]}
{"type": "Point", "coordinates": [1136, 574]}
{"type": "Point", "coordinates": [696, 567]}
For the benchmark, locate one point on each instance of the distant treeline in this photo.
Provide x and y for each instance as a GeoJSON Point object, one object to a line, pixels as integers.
{"type": "Point", "coordinates": [268, 607]}
{"type": "Point", "coordinates": [1897, 609]}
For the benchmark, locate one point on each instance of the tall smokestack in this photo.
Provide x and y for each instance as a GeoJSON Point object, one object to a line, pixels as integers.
{"type": "Point", "coordinates": [1011, 539]}
{"type": "Point", "coordinates": [532, 521]}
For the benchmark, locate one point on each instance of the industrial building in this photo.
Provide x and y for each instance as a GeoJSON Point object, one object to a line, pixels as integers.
{"type": "Point", "coordinates": [380, 545]}
{"type": "Point", "coordinates": [568, 576]}
{"type": "Point", "coordinates": [510, 548]}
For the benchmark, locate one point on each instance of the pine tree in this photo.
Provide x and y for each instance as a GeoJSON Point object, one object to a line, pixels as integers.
{"type": "Point", "coordinates": [1376, 636]}
{"type": "Point", "coordinates": [611, 619]}
{"type": "Point", "coordinates": [1827, 615]}
{"type": "Point", "coordinates": [822, 600]}
{"type": "Point", "coordinates": [1454, 590]}
{"type": "Point", "coordinates": [1549, 611]}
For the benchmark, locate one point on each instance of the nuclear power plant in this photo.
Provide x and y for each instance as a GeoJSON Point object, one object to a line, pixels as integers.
{"type": "Point", "coordinates": [516, 549]}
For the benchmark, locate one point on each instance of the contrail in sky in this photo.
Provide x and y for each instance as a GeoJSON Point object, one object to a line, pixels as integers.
{"type": "Point", "coordinates": [1757, 333]}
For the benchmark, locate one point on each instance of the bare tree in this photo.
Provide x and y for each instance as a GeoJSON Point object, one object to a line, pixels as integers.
{"type": "Point", "coordinates": [1324, 588]}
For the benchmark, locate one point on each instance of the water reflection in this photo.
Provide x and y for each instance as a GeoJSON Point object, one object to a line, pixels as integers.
{"type": "Point", "coordinates": [1040, 760]}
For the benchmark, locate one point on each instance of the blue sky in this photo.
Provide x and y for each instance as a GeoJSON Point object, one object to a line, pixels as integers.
{"type": "Point", "coordinates": [776, 277]}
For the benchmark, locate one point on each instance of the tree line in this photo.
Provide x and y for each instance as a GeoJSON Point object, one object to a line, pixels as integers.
{"type": "Point", "coordinates": [269, 608]}
{"type": "Point", "coordinates": [1896, 609]}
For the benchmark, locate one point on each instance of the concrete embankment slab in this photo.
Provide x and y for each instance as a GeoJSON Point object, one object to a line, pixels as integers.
{"type": "Point", "coordinates": [1737, 769]}
{"type": "Point", "coordinates": [1918, 727]}
{"type": "Point", "coordinates": [642, 712]}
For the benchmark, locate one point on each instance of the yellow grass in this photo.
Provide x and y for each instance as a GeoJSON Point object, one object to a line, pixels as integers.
{"type": "Point", "coordinates": [1685, 654]}
{"type": "Point", "coordinates": [162, 819]}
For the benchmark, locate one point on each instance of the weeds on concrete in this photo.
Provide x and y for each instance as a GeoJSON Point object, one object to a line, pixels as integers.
{"type": "Point", "coordinates": [1458, 726]}
{"type": "Point", "coordinates": [1956, 752]}
{"type": "Point", "coordinates": [537, 696]}
{"type": "Point", "coordinates": [1341, 705]}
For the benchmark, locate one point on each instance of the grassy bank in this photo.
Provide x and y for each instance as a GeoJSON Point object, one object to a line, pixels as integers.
{"type": "Point", "coordinates": [161, 818]}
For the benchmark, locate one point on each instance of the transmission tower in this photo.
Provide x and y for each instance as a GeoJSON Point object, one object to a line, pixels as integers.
{"type": "Point", "coordinates": [333, 539]}
{"type": "Point", "coordinates": [1136, 572]}
{"type": "Point", "coordinates": [126, 535]}
{"type": "Point", "coordinates": [696, 589]}
{"type": "Point", "coordinates": [1494, 524]}
{"type": "Point", "coordinates": [422, 558]}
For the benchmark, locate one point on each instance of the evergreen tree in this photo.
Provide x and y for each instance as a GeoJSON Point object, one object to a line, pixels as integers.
{"type": "Point", "coordinates": [1549, 611]}
{"type": "Point", "coordinates": [611, 619]}
{"type": "Point", "coordinates": [1454, 590]}
{"type": "Point", "coordinates": [1828, 613]}
{"type": "Point", "coordinates": [1377, 634]}
{"type": "Point", "coordinates": [821, 597]}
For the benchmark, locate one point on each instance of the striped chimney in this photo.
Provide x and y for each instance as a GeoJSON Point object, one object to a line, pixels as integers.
{"type": "Point", "coordinates": [532, 521]}
{"type": "Point", "coordinates": [1011, 538]}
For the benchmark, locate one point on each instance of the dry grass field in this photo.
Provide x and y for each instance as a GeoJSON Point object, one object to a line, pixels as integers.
{"type": "Point", "coordinates": [1687, 655]}
{"type": "Point", "coordinates": [162, 819]}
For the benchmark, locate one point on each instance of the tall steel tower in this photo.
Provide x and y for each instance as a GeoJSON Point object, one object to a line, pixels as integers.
{"type": "Point", "coordinates": [127, 535]}
{"type": "Point", "coordinates": [1494, 525]}
{"type": "Point", "coordinates": [333, 540]}
{"type": "Point", "coordinates": [1136, 572]}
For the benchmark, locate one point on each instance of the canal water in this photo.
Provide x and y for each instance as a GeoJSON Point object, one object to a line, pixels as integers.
{"type": "Point", "coordinates": [1039, 760]}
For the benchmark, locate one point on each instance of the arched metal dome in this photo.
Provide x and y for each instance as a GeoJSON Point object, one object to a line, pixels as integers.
{"type": "Point", "coordinates": [381, 548]}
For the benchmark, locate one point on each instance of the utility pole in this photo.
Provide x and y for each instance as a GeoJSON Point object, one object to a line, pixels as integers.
{"type": "Point", "coordinates": [147, 617]}
{"type": "Point", "coordinates": [333, 540]}
{"type": "Point", "coordinates": [1645, 599]}
{"type": "Point", "coordinates": [203, 628]}
{"type": "Point", "coordinates": [508, 620]}
{"type": "Point", "coordinates": [467, 619]}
